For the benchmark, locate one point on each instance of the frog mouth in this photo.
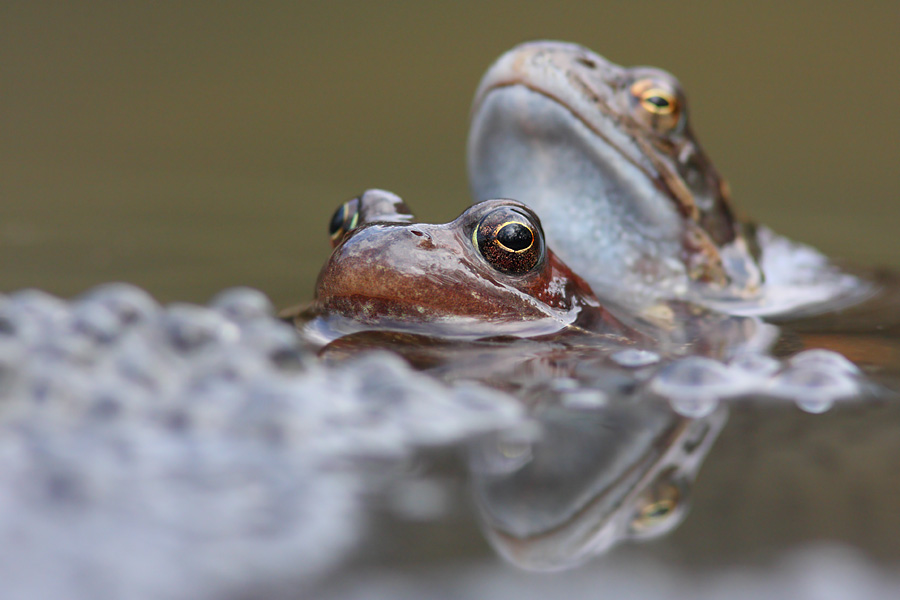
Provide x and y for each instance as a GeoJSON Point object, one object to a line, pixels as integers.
{"type": "Point", "coordinates": [525, 139]}
{"type": "Point", "coordinates": [345, 315]}
{"type": "Point", "coordinates": [582, 84]}
{"type": "Point", "coordinates": [594, 125]}
{"type": "Point", "coordinates": [615, 140]}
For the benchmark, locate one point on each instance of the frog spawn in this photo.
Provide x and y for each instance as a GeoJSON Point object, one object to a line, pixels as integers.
{"type": "Point", "coordinates": [131, 429]}
{"type": "Point", "coordinates": [201, 443]}
{"type": "Point", "coordinates": [813, 379]}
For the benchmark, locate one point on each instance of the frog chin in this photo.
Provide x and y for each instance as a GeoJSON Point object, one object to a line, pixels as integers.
{"type": "Point", "coordinates": [601, 212]}
{"type": "Point", "coordinates": [397, 316]}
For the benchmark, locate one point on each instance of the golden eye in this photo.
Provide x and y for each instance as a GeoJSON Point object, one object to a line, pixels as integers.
{"type": "Point", "coordinates": [658, 104]}
{"type": "Point", "coordinates": [344, 220]}
{"type": "Point", "coordinates": [656, 511]}
{"type": "Point", "coordinates": [658, 506]}
{"type": "Point", "coordinates": [509, 240]}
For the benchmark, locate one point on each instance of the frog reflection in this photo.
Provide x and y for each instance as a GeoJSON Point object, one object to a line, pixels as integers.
{"type": "Point", "coordinates": [595, 477]}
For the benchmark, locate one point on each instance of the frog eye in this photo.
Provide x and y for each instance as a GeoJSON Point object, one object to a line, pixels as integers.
{"type": "Point", "coordinates": [509, 240]}
{"type": "Point", "coordinates": [659, 506]}
{"type": "Point", "coordinates": [657, 104]}
{"type": "Point", "coordinates": [344, 220]}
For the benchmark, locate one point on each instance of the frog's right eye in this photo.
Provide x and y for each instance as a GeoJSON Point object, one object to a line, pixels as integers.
{"type": "Point", "coordinates": [509, 240]}
{"type": "Point", "coordinates": [343, 221]}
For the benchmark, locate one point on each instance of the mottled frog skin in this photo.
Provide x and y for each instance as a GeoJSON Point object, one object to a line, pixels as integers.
{"type": "Point", "coordinates": [607, 157]}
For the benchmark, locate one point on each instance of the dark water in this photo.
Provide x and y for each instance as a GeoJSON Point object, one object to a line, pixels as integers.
{"type": "Point", "coordinates": [187, 148]}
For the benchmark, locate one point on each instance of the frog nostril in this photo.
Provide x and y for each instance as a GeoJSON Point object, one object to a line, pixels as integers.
{"type": "Point", "coordinates": [586, 62]}
{"type": "Point", "coordinates": [425, 242]}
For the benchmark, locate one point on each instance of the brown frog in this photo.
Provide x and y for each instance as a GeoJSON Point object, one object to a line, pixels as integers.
{"type": "Point", "coordinates": [487, 273]}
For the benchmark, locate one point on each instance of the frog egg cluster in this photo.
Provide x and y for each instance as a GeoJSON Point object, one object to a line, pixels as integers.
{"type": "Point", "coordinates": [813, 379]}
{"type": "Point", "coordinates": [813, 572]}
{"type": "Point", "coordinates": [181, 451]}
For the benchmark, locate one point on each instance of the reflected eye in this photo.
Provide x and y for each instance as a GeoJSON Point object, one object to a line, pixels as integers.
{"type": "Point", "coordinates": [509, 240]}
{"type": "Point", "coordinates": [659, 505]}
{"type": "Point", "coordinates": [657, 510]}
{"type": "Point", "coordinates": [344, 220]}
{"type": "Point", "coordinates": [657, 104]}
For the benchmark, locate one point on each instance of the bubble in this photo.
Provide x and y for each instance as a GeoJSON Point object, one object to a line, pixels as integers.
{"type": "Point", "coordinates": [227, 367]}
{"type": "Point", "coordinates": [64, 345]}
{"type": "Point", "coordinates": [814, 406]}
{"type": "Point", "coordinates": [29, 314]}
{"type": "Point", "coordinates": [585, 398]}
{"type": "Point", "coordinates": [242, 304]}
{"type": "Point", "coordinates": [635, 358]}
{"type": "Point", "coordinates": [813, 386]}
{"type": "Point", "coordinates": [695, 384]}
{"type": "Point", "coordinates": [142, 358]}
{"type": "Point", "coordinates": [129, 304]}
{"type": "Point", "coordinates": [825, 360]}
{"type": "Point", "coordinates": [37, 305]}
{"type": "Point", "coordinates": [270, 411]}
{"type": "Point", "coordinates": [277, 340]}
{"type": "Point", "coordinates": [96, 322]}
{"type": "Point", "coordinates": [758, 365]}
{"type": "Point", "coordinates": [694, 407]}
{"type": "Point", "coordinates": [190, 328]}
{"type": "Point", "coordinates": [63, 388]}
{"type": "Point", "coordinates": [12, 355]}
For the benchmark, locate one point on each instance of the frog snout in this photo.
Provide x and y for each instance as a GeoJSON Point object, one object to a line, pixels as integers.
{"type": "Point", "coordinates": [425, 242]}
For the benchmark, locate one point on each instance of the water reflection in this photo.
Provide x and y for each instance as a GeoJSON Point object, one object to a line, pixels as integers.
{"type": "Point", "coordinates": [592, 479]}
{"type": "Point", "coordinates": [127, 425]}
{"type": "Point", "coordinates": [617, 432]}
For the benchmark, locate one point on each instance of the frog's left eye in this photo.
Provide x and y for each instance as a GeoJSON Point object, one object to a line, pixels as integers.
{"type": "Point", "coordinates": [344, 220]}
{"type": "Point", "coordinates": [510, 240]}
{"type": "Point", "coordinates": [657, 104]}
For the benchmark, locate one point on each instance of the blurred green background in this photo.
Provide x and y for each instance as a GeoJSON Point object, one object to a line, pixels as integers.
{"type": "Point", "coordinates": [190, 146]}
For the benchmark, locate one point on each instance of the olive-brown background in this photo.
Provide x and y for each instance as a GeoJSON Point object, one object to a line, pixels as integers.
{"type": "Point", "coordinates": [186, 147]}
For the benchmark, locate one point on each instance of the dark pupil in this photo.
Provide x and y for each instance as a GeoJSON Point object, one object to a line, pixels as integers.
{"type": "Point", "coordinates": [337, 220]}
{"type": "Point", "coordinates": [660, 509]}
{"type": "Point", "coordinates": [515, 236]}
{"type": "Point", "coordinates": [658, 101]}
